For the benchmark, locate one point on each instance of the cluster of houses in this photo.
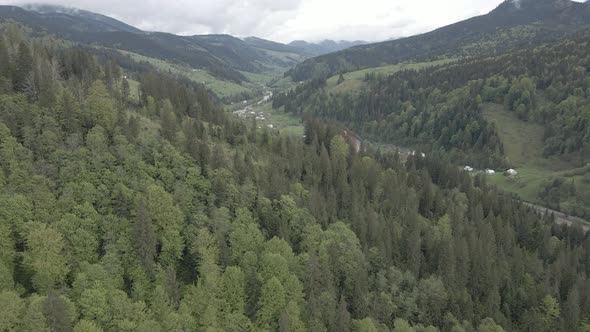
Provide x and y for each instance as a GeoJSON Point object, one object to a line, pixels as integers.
{"type": "Point", "coordinates": [510, 172]}
{"type": "Point", "coordinates": [249, 113]}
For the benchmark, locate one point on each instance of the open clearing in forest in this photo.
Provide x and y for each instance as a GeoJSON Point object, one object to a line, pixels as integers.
{"type": "Point", "coordinates": [523, 147]}
{"type": "Point", "coordinates": [222, 88]}
{"type": "Point", "coordinates": [355, 80]}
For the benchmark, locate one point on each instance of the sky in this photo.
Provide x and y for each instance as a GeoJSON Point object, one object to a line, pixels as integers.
{"type": "Point", "coordinates": [286, 20]}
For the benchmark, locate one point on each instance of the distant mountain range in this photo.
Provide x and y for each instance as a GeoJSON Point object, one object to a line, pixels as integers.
{"type": "Point", "coordinates": [324, 47]}
{"type": "Point", "coordinates": [223, 56]}
{"type": "Point", "coordinates": [514, 23]}
{"type": "Point", "coordinates": [304, 47]}
{"type": "Point", "coordinates": [67, 19]}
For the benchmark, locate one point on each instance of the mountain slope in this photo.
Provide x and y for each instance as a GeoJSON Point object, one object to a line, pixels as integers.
{"type": "Point", "coordinates": [63, 21]}
{"type": "Point", "coordinates": [166, 213]}
{"type": "Point", "coordinates": [538, 97]}
{"type": "Point", "coordinates": [246, 56]}
{"type": "Point", "coordinates": [57, 12]}
{"type": "Point", "coordinates": [511, 24]}
{"type": "Point", "coordinates": [325, 46]}
{"type": "Point", "coordinates": [272, 46]}
{"type": "Point", "coordinates": [222, 55]}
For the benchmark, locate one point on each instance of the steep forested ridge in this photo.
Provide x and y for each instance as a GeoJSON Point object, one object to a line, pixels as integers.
{"type": "Point", "coordinates": [512, 25]}
{"type": "Point", "coordinates": [325, 46]}
{"type": "Point", "coordinates": [416, 106]}
{"type": "Point", "coordinates": [441, 108]}
{"type": "Point", "coordinates": [167, 214]}
{"type": "Point", "coordinates": [222, 55]}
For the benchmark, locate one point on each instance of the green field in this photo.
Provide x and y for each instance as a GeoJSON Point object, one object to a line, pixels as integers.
{"type": "Point", "coordinates": [284, 122]}
{"type": "Point", "coordinates": [272, 77]}
{"type": "Point", "coordinates": [355, 80]}
{"type": "Point", "coordinates": [287, 123]}
{"type": "Point", "coordinates": [221, 88]}
{"type": "Point", "coordinates": [523, 147]}
{"type": "Point", "coordinates": [523, 141]}
{"type": "Point", "coordinates": [530, 180]}
{"type": "Point", "coordinates": [133, 90]}
{"type": "Point", "coordinates": [280, 120]}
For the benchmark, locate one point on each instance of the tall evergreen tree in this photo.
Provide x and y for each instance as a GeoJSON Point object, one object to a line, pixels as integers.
{"type": "Point", "coordinates": [144, 237]}
{"type": "Point", "coordinates": [5, 67]}
{"type": "Point", "coordinates": [168, 121]}
{"type": "Point", "coordinates": [23, 65]}
{"type": "Point", "coordinates": [56, 312]}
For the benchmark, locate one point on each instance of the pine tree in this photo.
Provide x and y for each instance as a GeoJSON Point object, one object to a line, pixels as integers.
{"type": "Point", "coordinates": [144, 237]}
{"type": "Point", "coordinates": [290, 320]}
{"type": "Point", "coordinates": [87, 326]}
{"type": "Point", "coordinates": [69, 112]}
{"type": "Point", "coordinates": [22, 68]}
{"type": "Point", "coordinates": [125, 91]}
{"type": "Point", "coordinates": [45, 257]}
{"type": "Point", "coordinates": [232, 289]}
{"type": "Point", "coordinates": [100, 108]}
{"type": "Point", "coordinates": [11, 307]}
{"type": "Point", "coordinates": [342, 316]}
{"type": "Point", "coordinates": [271, 304]}
{"type": "Point", "coordinates": [133, 127]}
{"type": "Point", "coordinates": [5, 68]}
{"type": "Point", "coordinates": [56, 312]}
{"type": "Point", "coordinates": [168, 121]}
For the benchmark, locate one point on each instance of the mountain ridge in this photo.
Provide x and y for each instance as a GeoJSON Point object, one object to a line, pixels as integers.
{"type": "Point", "coordinates": [225, 61]}
{"type": "Point", "coordinates": [325, 46]}
{"type": "Point", "coordinates": [529, 22]}
{"type": "Point", "coordinates": [56, 10]}
{"type": "Point", "coordinates": [223, 55]}
{"type": "Point", "coordinates": [270, 45]}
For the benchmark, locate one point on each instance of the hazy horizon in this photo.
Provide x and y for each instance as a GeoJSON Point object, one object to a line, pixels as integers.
{"type": "Point", "coordinates": [286, 20]}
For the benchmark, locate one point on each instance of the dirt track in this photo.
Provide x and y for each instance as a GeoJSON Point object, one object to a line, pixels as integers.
{"type": "Point", "coordinates": [561, 218]}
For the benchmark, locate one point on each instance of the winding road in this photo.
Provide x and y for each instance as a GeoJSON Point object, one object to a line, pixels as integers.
{"type": "Point", "coordinates": [561, 218]}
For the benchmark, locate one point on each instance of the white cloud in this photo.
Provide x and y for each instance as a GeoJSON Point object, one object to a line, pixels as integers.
{"type": "Point", "coordinates": [377, 19]}
{"type": "Point", "coordinates": [239, 17]}
{"type": "Point", "coordinates": [286, 20]}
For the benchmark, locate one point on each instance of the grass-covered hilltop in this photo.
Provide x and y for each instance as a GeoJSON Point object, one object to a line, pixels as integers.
{"type": "Point", "coordinates": [141, 193]}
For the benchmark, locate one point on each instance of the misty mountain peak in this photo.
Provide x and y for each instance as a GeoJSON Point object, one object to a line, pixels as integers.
{"type": "Point", "coordinates": [49, 9]}
{"type": "Point", "coordinates": [536, 4]}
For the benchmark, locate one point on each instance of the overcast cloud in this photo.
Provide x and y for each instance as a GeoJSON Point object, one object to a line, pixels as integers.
{"type": "Point", "coordinates": [286, 20]}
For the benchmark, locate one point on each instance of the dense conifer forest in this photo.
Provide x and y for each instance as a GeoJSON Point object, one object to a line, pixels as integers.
{"type": "Point", "coordinates": [442, 104]}
{"type": "Point", "coordinates": [165, 213]}
{"type": "Point", "coordinates": [441, 108]}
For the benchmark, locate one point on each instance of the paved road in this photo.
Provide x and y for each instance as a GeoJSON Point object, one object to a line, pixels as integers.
{"type": "Point", "coordinates": [561, 218]}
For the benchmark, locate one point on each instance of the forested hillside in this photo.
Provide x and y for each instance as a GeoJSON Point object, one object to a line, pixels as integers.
{"type": "Point", "coordinates": [165, 213]}
{"type": "Point", "coordinates": [325, 46]}
{"type": "Point", "coordinates": [512, 25]}
{"type": "Point", "coordinates": [441, 108]}
{"type": "Point", "coordinates": [223, 56]}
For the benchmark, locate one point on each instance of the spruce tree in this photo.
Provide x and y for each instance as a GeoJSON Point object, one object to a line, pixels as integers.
{"type": "Point", "coordinates": [144, 237]}
{"type": "Point", "coordinates": [5, 68]}
{"type": "Point", "coordinates": [22, 68]}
